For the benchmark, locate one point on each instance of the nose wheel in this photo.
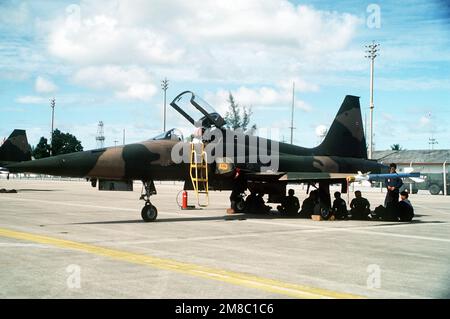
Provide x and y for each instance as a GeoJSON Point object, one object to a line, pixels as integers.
{"type": "Point", "coordinates": [149, 211]}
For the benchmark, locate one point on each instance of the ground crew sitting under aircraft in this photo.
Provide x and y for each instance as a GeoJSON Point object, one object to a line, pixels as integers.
{"type": "Point", "coordinates": [405, 208]}
{"type": "Point", "coordinates": [261, 205]}
{"type": "Point", "coordinates": [339, 208]}
{"type": "Point", "coordinates": [359, 207]}
{"type": "Point", "coordinates": [290, 204]}
{"type": "Point", "coordinates": [254, 203]}
{"type": "Point", "coordinates": [250, 203]}
{"type": "Point", "coordinates": [309, 204]}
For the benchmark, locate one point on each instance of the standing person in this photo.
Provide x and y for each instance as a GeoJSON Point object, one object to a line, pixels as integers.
{"type": "Point", "coordinates": [393, 185]}
{"type": "Point", "coordinates": [239, 187]}
{"type": "Point", "coordinates": [359, 207]}
{"type": "Point", "coordinates": [339, 207]}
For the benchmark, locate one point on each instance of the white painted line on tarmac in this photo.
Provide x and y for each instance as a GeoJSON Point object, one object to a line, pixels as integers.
{"type": "Point", "coordinates": [24, 245]}
{"type": "Point", "coordinates": [84, 205]}
{"type": "Point", "coordinates": [308, 228]}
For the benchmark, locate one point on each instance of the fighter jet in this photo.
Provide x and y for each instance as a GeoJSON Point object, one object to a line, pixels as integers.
{"type": "Point", "coordinates": [221, 159]}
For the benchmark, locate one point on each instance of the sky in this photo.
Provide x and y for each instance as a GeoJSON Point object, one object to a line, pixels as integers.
{"type": "Point", "coordinates": [104, 61]}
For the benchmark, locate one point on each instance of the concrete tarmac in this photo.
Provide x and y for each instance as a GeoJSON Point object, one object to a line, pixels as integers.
{"type": "Point", "coordinates": [65, 239]}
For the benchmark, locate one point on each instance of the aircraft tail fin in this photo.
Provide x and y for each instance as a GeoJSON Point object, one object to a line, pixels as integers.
{"type": "Point", "coordinates": [15, 148]}
{"type": "Point", "coordinates": [346, 135]}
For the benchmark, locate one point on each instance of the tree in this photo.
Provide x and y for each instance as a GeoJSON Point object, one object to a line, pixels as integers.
{"type": "Point", "coordinates": [63, 143]}
{"type": "Point", "coordinates": [396, 147]}
{"type": "Point", "coordinates": [42, 149]}
{"type": "Point", "coordinates": [238, 117]}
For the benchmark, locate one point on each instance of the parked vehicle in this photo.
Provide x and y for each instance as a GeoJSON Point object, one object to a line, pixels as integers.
{"type": "Point", "coordinates": [434, 183]}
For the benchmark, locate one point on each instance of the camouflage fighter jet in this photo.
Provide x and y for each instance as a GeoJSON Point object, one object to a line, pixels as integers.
{"type": "Point", "coordinates": [233, 160]}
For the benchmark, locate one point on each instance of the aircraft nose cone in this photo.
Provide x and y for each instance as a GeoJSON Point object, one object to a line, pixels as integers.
{"type": "Point", "coordinates": [39, 166]}
{"type": "Point", "coordinates": [70, 165]}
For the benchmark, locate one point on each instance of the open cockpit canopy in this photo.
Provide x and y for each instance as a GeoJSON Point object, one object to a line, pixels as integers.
{"type": "Point", "coordinates": [197, 111]}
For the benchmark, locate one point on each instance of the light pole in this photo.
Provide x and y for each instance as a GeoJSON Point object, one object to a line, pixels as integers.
{"type": "Point", "coordinates": [292, 112]}
{"type": "Point", "coordinates": [52, 105]}
{"type": "Point", "coordinates": [432, 141]}
{"type": "Point", "coordinates": [165, 86]}
{"type": "Point", "coordinates": [371, 51]}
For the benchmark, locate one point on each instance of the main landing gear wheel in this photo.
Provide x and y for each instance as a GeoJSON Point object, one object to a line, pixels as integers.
{"type": "Point", "coordinates": [240, 204]}
{"type": "Point", "coordinates": [149, 213]}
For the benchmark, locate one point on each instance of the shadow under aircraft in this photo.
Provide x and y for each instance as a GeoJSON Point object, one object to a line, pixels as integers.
{"type": "Point", "coordinates": [217, 159]}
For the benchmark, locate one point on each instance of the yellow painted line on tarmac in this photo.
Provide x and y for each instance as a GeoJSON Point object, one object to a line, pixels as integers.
{"type": "Point", "coordinates": [235, 278]}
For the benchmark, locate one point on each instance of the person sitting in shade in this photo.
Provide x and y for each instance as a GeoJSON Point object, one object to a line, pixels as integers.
{"type": "Point", "coordinates": [405, 208]}
{"type": "Point", "coordinates": [290, 204]}
{"type": "Point", "coordinates": [359, 207]}
{"type": "Point", "coordinates": [261, 205]}
{"type": "Point", "coordinates": [339, 208]}
{"type": "Point", "coordinates": [309, 204]}
{"type": "Point", "coordinates": [251, 203]}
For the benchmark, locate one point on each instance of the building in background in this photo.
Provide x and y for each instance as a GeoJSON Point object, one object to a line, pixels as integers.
{"type": "Point", "coordinates": [434, 164]}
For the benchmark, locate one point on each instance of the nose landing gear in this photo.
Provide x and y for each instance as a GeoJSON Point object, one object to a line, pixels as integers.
{"type": "Point", "coordinates": [149, 211]}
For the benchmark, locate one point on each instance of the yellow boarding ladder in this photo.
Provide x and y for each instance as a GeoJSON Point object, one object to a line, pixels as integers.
{"type": "Point", "coordinates": [199, 172]}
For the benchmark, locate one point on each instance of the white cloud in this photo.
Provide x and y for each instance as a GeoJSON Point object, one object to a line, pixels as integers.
{"type": "Point", "coordinates": [302, 105]}
{"type": "Point", "coordinates": [138, 91]}
{"type": "Point", "coordinates": [258, 98]}
{"type": "Point", "coordinates": [126, 82]}
{"type": "Point", "coordinates": [241, 41]}
{"type": "Point", "coordinates": [100, 38]}
{"type": "Point", "coordinates": [43, 85]}
{"type": "Point", "coordinates": [413, 84]}
{"type": "Point", "coordinates": [424, 121]}
{"type": "Point", "coordinates": [301, 85]}
{"type": "Point", "coordinates": [31, 100]}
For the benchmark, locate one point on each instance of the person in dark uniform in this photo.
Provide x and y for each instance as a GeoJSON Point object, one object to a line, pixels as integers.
{"type": "Point", "coordinates": [261, 206]}
{"type": "Point", "coordinates": [393, 185]}
{"type": "Point", "coordinates": [405, 208]}
{"type": "Point", "coordinates": [239, 187]}
{"type": "Point", "coordinates": [309, 204]}
{"type": "Point", "coordinates": [251, 203]}
{"type": "Point", "coordinates": [290, 204]}
{"type": "Point", "coordinates": [339, 208]}
{"type": "Point", "coordinates": [359, 207]}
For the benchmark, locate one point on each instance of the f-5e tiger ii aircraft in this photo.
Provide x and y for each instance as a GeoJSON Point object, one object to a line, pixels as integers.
{"type": "Point", "coordinates": [221, 160]}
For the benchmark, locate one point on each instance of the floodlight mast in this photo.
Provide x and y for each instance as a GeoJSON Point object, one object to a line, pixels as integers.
{"type": "Point", "coordinates": [292, 113]}
{"type": "Point", "coordinates": [52, 105]}
{"type": "Point", "coordinates": [371, 52]}
{"type": "Point", "coordinates": [165, 86]}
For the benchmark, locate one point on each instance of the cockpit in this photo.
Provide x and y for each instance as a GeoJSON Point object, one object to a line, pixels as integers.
{"type": "Point", "coordinates": [197, 111]}
{"type": "Point", "coordinates": [172, 135]}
